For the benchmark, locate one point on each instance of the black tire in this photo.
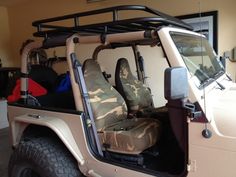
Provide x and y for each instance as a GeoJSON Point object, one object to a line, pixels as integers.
{"type": "Point", "coordinates": [42, 157]}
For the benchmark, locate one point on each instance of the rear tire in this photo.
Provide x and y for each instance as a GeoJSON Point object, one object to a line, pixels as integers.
{"type": "Point", "coordinates": [42, 157]}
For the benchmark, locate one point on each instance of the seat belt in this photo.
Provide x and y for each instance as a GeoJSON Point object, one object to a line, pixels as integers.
{"type": "Point", "coordinates": [79, 78]}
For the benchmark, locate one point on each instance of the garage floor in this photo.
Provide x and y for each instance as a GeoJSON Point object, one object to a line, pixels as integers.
{"type": "Point", "coordinates": [5, 151]}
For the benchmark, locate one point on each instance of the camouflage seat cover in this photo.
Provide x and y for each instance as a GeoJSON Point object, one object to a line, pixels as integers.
{"type": "Point", "coordinates": [119, 134]}
{"type": "Point", "coordinates": [136, 95]}
{"type": "Point", "coordinates": [131, 136]}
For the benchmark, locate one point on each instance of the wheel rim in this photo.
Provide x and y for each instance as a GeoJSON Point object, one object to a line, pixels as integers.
{"type": "Point", "coordinates": [29, 173]}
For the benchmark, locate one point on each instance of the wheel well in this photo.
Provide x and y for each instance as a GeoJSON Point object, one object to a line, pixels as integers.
{"type": "Point", "coordinates": [36, 131]}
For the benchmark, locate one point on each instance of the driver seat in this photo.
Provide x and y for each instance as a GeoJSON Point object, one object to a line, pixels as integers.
{"type": "Point", "coordinates": [117, 133]}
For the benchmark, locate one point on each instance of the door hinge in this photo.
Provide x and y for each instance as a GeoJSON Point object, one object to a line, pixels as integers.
{"type": "Point", "coordinates": [192, 166]}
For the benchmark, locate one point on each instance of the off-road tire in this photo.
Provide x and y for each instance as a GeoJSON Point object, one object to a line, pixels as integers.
{"type": "Point", "coordinates": [42, 157]}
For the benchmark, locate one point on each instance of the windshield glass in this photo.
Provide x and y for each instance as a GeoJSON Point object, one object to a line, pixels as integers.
{"type": "Point", "coordinates": [199, 57]}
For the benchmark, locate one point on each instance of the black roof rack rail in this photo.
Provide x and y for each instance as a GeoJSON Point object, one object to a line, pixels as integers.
{"type": "Point", "coordinates": [46, 28]}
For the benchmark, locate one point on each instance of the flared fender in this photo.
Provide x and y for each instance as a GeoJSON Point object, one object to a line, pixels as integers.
{"type": "Point", "coordinates": [58, 126]}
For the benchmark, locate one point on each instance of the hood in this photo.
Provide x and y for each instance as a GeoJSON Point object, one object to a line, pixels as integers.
{"type": "Point", "coordinates": [224, 112]}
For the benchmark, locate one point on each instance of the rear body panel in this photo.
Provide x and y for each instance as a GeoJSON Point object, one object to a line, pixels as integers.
{"type": "Point", "coordinates": [19, 120]}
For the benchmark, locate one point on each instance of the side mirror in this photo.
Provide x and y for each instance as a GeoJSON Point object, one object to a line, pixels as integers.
{"type": "Point", "coordinates": [176, 83]}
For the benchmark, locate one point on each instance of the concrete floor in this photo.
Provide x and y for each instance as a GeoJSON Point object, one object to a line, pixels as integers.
{"type": "Point", "coordinates": [5, 151]}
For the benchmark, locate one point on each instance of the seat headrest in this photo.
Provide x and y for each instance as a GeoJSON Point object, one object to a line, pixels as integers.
{"type": "Point", "coordinates": [124, 69]}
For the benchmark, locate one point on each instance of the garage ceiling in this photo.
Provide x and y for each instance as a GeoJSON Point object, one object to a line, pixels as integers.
{"type": "Point", "coordinates": [10, 2]}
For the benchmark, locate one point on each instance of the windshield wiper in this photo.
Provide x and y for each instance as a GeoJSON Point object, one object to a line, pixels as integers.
{"type": "Point", "coordinates": [220, 73]}
{"type": "Point", "coordinates": [210, 79]}
{"type": "Point", "coordinates": [216, 76]}
{"type": "Point", "coordinates": [220, 85]}
{"type": "Point", "coordinates": [229, 78]}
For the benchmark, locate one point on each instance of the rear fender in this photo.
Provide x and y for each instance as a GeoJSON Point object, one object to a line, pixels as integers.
{"type": "Point", "coordinates": [58, 126]}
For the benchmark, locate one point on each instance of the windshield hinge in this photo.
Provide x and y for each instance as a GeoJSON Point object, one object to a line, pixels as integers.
{"type": "Point", "coordinates": [191, 111]}
{"type": "Point", "coordinates": [192, 166]}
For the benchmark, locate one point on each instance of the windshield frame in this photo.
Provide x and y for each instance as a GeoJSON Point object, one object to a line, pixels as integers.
{"type": "Point", "coordinates": [209, 79]}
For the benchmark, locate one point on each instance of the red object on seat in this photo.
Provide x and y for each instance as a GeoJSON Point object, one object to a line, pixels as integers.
{"type": "Point", "coordinates": [34, 89]}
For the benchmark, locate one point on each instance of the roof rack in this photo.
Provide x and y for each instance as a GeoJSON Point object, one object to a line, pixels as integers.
{"type": "Point", "coordinates": [47, 27]}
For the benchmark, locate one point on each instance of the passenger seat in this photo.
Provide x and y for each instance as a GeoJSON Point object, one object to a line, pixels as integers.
{"type": "Point", "coordinates": [116, 132]}
{"type": "Point", "coordinates": [136, 94]}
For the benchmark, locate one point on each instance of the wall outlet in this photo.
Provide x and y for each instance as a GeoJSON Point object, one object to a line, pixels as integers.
{"type": "Point", "coordinates": [233, 57]}
{"type": "Point", "coordinates": [227, 54]}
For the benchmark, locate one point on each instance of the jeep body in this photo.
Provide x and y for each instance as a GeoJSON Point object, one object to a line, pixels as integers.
{"type": "Point", "coordinates": [198, 137]}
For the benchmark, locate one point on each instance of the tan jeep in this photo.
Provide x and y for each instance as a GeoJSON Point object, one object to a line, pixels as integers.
{"type": "Point", "coordinates": [168, 109]}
